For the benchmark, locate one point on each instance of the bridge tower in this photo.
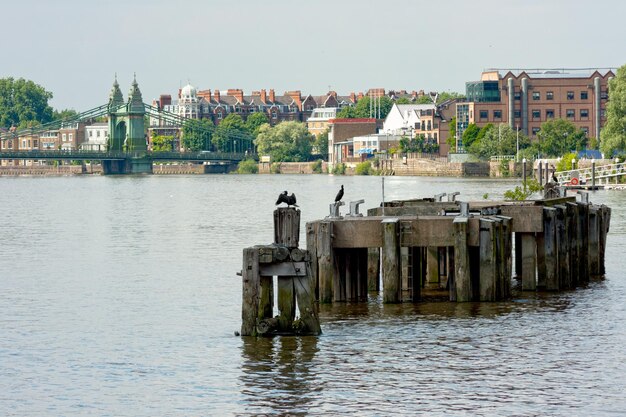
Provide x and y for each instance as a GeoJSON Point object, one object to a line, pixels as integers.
{"type": "Point", "coordinates": [127, 132]}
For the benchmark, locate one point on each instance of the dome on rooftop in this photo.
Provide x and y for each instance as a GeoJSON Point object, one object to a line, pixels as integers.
{"type": "Point", "coordinates": [188, 92]}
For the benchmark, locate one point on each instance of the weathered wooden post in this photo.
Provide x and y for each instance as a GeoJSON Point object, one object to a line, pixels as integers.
{"type": "Point", "coordinates": [563, 247]}
{"type": "Point", "coordinates": [507, 262]}
{"type": "Point", "coordinates": [575, 241]}
{"type": "Point", "coordinates": [462, 279]}
{"type": "Point", "coordinates": [311, 246]}
{"type": "Point", "coordinates": [391, 261]}
{"type": "Point", "coordinates": [417, 272]}
{"type": "Point", "coordinates": [487, 285]}
{"type": "Point", "coordinates": [583, 227]}
{"type": "Point", "coordinates": [551, 281]}
{"type": "Point", "coordinates": [373, 269]}
{"type": "Point", "coordinates": [250, 300]}
{"type": "Point", "coordinates": [432, 266]}
{"type": "Point", "coordinates": [529, 251]}
{"type": "Point", "coordinates": [325, 261]}
{"type": "Point", "coordinates": [605, 222]}
{"type": "Point", "coordinates": [594, 241]}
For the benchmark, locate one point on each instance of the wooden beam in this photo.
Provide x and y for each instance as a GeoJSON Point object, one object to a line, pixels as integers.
{"type": "Point", "coordinates": [391, 260]}
{"type": "Point", "coordinates": [462, 280]}
{"type": "Point", "coordinates": [250, 294]}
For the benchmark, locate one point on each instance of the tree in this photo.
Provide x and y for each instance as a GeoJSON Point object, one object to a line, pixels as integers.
{"type": "Point", "coordinates": [362, 108]}
{"type": "Point", "coordinates": [23, 101]}
{"type": "Point", "coordinates": [162, 143]}
{"type": "Point", "coordinates": [498, 141]}
{"type": "Point", "coordinates": [197, 135]}
{"type": "Point", "coordinates": [231, 135]}
{"type": "Point", "coordinates": [560, 136]}
{"type": "Point", "coordinates": [320, 145]}
{"type": "Point", "coordinates": [285, 142]}
{"type": "Point", "coordinates": [470, 134]}
{"type": "Point", "coordinates": [613, 134]}
{"type": "Point", "coordinates": [403, 100]}
{"type": "Point", "coordinates": [64, 114]}
{"type": "Point", "coordinates": [255, 121]}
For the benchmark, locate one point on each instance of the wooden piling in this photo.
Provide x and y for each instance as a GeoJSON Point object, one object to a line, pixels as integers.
{"type": "Point", "coordinates": [550, 259]}
{"type": "Point", "coordinates": [325, 261]}
{"type": "Point", "coordinates": [286, 303]}
{"type": "Point", "coordinates": [287, 226]}
{"type": "Point", "coordinates": [373, 269]}
{"type": "Point", "coordinates": [432, 266]}
{"type": "Point", "coordinates": [605, 221]}
{"type": "Point", "coordinates": [250, 298]}
{"type": "Point", "coordinates": [306, 306]}
{"type": "Point", "coordinates": [311, 246]}
{"type": "Point", "coordinates": [487, 286]}
{"type": "Point", "coordinates": [575, 239]}
{"type": "Point", "coordinates": [462, 280]}
{"type": "Point", "coordinates": [594, 241]}
{"type": "Point", "coordinates": [362, 276]}
{"type": "Point", "coordinates": [518, 255]}
{"type": "Point", "coordinates": [339, 275]}
{"type": "Point", "coordinates": [529, 267]}
{"type": "Point", "coordinates": [562, 244]}
{"type": "Point", "coordinates": [417, 273]}
{"type": "Point", "coordinates": [583, 225]}
{"type": "Point", "coordinates": [391, 261]}
{"type": "Point", "coordinates": [266, 297]}
{"type": "Point", "coordinates": [506, 257]}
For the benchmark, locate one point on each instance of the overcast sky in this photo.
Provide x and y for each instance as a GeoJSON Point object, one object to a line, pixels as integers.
{"type": "Point", "coordinates": [73, 48]}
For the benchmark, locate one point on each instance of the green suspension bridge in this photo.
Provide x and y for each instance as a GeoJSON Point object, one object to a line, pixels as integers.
{"type": "Point", "coordinates": [127, 147]}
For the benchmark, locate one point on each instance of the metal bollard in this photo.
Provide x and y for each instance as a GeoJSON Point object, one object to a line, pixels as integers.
{"type": "Point", "coordinates": [452, 196]}
{"type": "Point", "coordinates": [354, 208]}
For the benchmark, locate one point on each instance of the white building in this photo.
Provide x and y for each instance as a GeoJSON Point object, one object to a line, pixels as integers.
{"type": "Point", "coordinates": [403, 118]}
{"type": "Point", "coordinates": [318, 121]}
{"type": "Point", "coordinates": [97, 135]}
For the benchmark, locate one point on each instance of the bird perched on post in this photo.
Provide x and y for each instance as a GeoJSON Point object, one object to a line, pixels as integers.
{"type": "Point", "coordinates": [554, 178]}
{"type": "Point", "coordinates": [289, 199]}
{"type": "Point", "coordinates": [339, 195]}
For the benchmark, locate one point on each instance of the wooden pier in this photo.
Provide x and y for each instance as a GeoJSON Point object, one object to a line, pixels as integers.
{"type": "Point", "coordinates": [291, 267]}
{"type": "Point", "coordinates": [416, 250]}
{"type": "Point", "coordinates": [457, 251]}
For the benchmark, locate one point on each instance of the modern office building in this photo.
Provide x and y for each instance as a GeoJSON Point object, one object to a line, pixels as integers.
{"type": "Point", "coordinates": [526, 98]}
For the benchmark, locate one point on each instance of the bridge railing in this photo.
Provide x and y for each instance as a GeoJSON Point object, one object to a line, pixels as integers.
{"type": "Point", "coordinates": [584, 175]}
{"type": "Point", "coordinates": [37, 154]}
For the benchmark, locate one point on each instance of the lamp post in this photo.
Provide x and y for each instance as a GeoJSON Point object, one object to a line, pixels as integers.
{"type": "Point", "coordinates": [524, 173]}
{"type": "Point", "coordinates": [573, 164]}
{"type": "Point", "coordinates": [517, 140]}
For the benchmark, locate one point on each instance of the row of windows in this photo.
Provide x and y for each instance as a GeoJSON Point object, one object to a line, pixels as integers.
{"type": "Point", "coordinates": [571, 95]}
{"type": "Point", "coordinates": [536, 130]}
{"type": "Point", "coordinates": [536, 114]}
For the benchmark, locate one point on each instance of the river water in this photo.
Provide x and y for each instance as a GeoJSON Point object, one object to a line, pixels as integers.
{"type": "Point", "coordinates": [119, 297]}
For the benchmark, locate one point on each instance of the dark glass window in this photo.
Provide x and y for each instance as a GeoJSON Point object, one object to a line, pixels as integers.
{"type": "Point", "coordinates": [517, 95]}
{"type": "Point", "coordinates": [584, 113]}
{"type": "Point", "coordinates": [569, 113]}
{"type": "Point", "coordinates": [536, 95]}
{"type": "Point", "coordinates": [483, 114]}
{"type": "Point", "coordinates": [536, 114]}
{"type": "Point", "coordinates": [517, 114]}
{"type": "Point", "coordinates": [535, 131]}
{"type": "Point", "coordinates": [570, 95]}
{"type": "Point", "coordinates": [584, 95]}
{"type": "Point", "coordinates": [497, 114]}
{"type": "Point", "coordinates": [549, 114]}
{"type": "Point", "coordinates": [549, 95]}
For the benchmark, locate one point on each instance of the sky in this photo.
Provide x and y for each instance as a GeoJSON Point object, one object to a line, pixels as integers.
{"type": "Point", "coordinates": [75, 48]}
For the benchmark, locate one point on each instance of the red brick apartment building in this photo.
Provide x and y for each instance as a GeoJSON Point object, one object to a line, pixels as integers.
{"type": "Point", "coordinates": [527, 98]}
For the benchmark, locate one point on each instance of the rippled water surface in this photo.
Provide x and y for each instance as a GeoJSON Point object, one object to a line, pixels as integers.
{"type": "Point", "coordinates": [118, 297]}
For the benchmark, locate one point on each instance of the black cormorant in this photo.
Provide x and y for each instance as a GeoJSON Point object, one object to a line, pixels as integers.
{"type": "Point", "coordinates": [289, 199]}
{"type": "Point", "coordinates": [339, 194]}
{"type": "Point", "coordinates": [282, 198]}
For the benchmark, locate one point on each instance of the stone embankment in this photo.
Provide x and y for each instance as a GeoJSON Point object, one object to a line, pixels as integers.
{"type": "Point", "coordinates": [49, 170]}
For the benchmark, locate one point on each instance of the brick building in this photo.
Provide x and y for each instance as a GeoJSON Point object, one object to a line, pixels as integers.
{"type": "Point", "coordinates": [525, 99]}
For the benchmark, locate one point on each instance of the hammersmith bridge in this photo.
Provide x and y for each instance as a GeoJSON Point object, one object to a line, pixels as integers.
{"type": "Point", "coordinates": [126, 147]}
